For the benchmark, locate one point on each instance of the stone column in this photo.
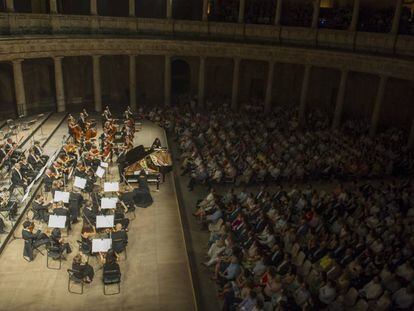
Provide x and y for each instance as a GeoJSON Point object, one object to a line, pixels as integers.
{"type": "Point", "coordinates": [201, 81]}
{"type": "Point", "coordinates": [205, 11]}
{"type": "Point", "coordinates": [376, 114]}
{"type": "Point", "coordinates": [169, 9]}
{"type": "Point", "coordinates": [355, 16]}
{"type": "Point", "coordinates": [340, 100]}
{"type": "Point", "coordinates": [59, 85]}
{"type": "Point", "coordinates": [53, 7]}
{"type": "Point", "coordinates": [397, 16]}
{"type": "Point", "coordinates": [410, 143]}
{"type": "Point", "coordinates": [304, 95]}
{"type": "Point", "coordinates": [97, 82]}
{"type": "Point", "coordinates": [132, 83]}
{"type": "Point", "coordinates": [167, 81]}
{"type": "Point", "coordinates": [94, 7]}
{"type": "Point", "coordinates": [278, 12]}
{"type": "Point", "coordinates": [242, 5]}
{"type": "Point", "coordinates": [235, 88]}
{"type": "Point", "coordinates": [132, 8]}
{"type": "Point", "coordinates": [19, 87]}
{"type": "Point", "coordinates": [315, 15]}
{"type": "Point", "coordinates": [10, 6]}
{"type": "Point", "coordinates": [269, 87]}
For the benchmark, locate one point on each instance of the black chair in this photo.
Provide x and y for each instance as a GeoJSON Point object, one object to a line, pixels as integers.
{"type": "Point", "coordinates": [35, 248]}
{"type": "Point", "coordinates": [54, 252]}
{"type": "Point", "coordinates": [73, 278]}
{"type": "Point", "coordinates": [111, 277]}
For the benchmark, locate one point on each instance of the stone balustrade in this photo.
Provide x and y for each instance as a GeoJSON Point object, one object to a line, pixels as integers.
{"type": "Point", "coordinates": [18, 24]}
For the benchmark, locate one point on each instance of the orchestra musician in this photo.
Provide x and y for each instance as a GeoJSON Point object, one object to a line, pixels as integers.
{"type": "Point", "coordinates": [58, 208]}
{"type": "Point", "coordinates": [89, 214]}
{"type": "Point", "coordinates": [119, 238]}
{"type": "Point", "coordinates": [82, 122]}
{"type": "Point", "coordinates": [85, 113]}
{"type": "Point", "coordinates": [32, 240]}
{"type": "Point", "coordinates": [41, 208]}
{"type": "Point", "coordinates": [75, 131]}
{"type": "Point", "coordinates": [107, 115]}
{"type": "Point", "coordinates": [17, 177]}
{"type": "Point", "coordinates": [2, 226]}
{"type": "Point", "coordinates": [58, 243]}
{"type": "Point", "coordinates": [48, 180]}
{"type": "Point", "coordinates": [34, 160]}
{"type": "Point", "coordinates": [128, 113]}
{"type": "Point", "coordinates": [27, 170]}
{"type": "Point", "coordinates": [6, 205]}
{"type": "Point", "coordinates": [39, 152]}
{"type": "Point", "coordinates": [82, 269]}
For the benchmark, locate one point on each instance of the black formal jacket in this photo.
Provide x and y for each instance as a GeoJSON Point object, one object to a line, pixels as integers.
{"type": "Point", "coordinates": [15, 177]}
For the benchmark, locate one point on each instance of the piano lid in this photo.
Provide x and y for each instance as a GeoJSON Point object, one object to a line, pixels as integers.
{"type": "Point", "coordinates": [136, 154]}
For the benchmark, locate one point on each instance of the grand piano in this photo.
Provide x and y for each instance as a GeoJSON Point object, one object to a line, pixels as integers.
{"type": "Point", "coordinates": [155, 162]}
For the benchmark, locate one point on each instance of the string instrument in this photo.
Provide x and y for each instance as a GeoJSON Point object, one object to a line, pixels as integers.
{"type": "Point", "coordinates": [77, 132]}
{"type": "Point", "coordinates": [94, 153]}
{"type": "Point", "coordinates": [70, 148]}
{"type": "Point", "coordinates": [107, 151]}
{"type": "Point", "coordinates": [90, 131]}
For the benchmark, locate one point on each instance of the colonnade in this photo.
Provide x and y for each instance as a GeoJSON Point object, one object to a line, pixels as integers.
{"type": "Point", "coordinates": [242, 6]}
{"type": "Point", "coordinates": [268, 99]}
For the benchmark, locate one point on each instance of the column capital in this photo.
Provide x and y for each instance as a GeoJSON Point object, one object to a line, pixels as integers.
{"type": "Point", "coordinates": [96, 56]}
{"type": "Point", "coordinates": [58, 57]}
{"type": "Point", "coordinates": [17, 61]}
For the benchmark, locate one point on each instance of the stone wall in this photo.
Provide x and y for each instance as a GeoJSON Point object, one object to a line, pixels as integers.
{"type": "Point", "coordinates": [38, 75]}
{"type": "Point", "coordinates": [150, 80]}
{"type": "Point", "coordinates": [77, 78]}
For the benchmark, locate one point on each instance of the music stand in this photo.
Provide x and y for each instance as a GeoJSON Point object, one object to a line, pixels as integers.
{"type": "Point", "coordinates": [41, 123]}
{"type": "Point", "coordinates": [101, 245]}
{"type": "Point", "coordinates": [103, 221]}
{"type": "Point", "coordinates": [111, 187]}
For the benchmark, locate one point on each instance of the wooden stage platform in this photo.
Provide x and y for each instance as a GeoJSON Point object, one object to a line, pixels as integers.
{"type": "Point", "coordinates": [156, 275]}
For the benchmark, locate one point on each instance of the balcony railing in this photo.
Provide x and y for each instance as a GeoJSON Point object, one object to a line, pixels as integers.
{"type": "Point", "coordinates": [24, 24]}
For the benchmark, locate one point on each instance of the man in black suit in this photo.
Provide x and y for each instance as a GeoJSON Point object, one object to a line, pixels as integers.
{"type": "Point", "coordinates": [119, 239]}
{"type": "Point", "coordinates": [17, 178]}
{"type": "Point", "coordinates": [60, 210]}
{"type": "Point", "coordinates": [34, 160]}
{"type": "Point", "coordinates": [89, 215]}
{"type": "Point", "coordinates": [82, 122]}
{"type": "Point", "coordinates": [32, 240]}
{"type": "Point", "coordinates": [27, 170]}
{"type": "Point", "coordinates": [40, 208]}
{"type": "Point", "coordinates": [39, 152]}
{"type": "Point", "coordinates": [48, 180]}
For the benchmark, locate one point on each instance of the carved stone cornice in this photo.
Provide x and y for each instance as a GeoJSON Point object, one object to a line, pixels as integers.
{"type": "Point", "coordinates": [11, 49]}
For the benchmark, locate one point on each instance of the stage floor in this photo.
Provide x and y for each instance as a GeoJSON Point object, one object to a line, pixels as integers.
{"type": "Point", "coordinates": [156, 275]}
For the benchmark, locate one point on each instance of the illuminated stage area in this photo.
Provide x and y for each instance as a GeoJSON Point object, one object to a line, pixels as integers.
{"type": "Point", "coordinates": [155, 275]}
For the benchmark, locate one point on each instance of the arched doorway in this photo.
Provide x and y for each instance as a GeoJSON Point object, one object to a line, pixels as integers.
{"type": "Point", "coordinates": [180, 79]}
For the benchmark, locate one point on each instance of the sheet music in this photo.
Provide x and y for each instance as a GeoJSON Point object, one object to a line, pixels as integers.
{"type": "Point", "coordinates": [100, 172]}
{"type": "Point", "coordinates": [101, 245]}
{"type": "Point", "coordinates": [79, 182]}
{"type": "Point", "coordinates": [61, 196]}
{"type": "Point", "coordinates": [104, 164]}
{"type": "Point", "coordinates": [57, 221]}
{"type": "Point", "coordinates": [108, 203]}
{"type": "Point", "coordinates": [105, 221]}
{"type": "Point", "coordinates": [111, 187]}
